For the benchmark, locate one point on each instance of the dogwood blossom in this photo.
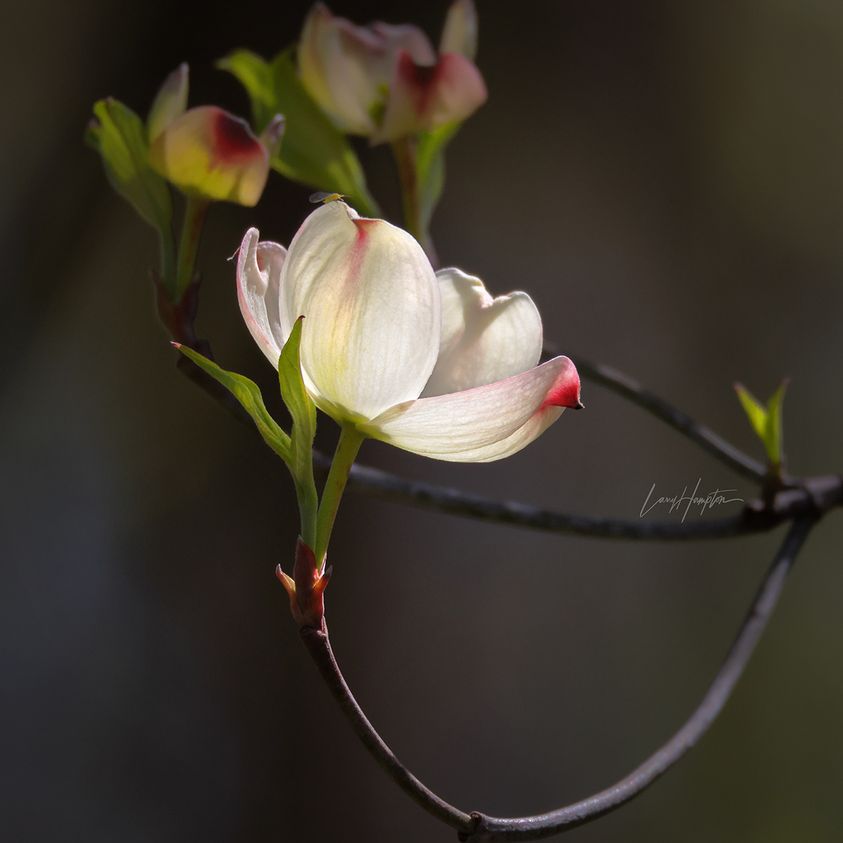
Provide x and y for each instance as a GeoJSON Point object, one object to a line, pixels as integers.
{"type": "Point", "coordinates": [428, 362]}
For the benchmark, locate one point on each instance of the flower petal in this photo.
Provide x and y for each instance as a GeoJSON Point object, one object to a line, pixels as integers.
{"type": "Point", "coordinates": [483, 339]}
{"type": "Point", "coordinates": [459, 35]}
{"type": "Point", "coordinates": [372, 305]}
{"type": "Point", "coordinates": [425, 97]}
{"type": "Point", "coordinates": [211, 153]}
{"type": "Point", "coordinates": [336, 71]}
{"type": "Point", "coordinates": [170, 101]}
{"type": "Point", "coordinates": [485, 423]}
{"type": "Point", "coordinates": [258, 292]}
{"type": "Point", "coordinates": [346, 68]}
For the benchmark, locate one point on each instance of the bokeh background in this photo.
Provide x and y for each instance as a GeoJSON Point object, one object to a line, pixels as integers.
{"type": "Point", "coordinates": [665, 179]}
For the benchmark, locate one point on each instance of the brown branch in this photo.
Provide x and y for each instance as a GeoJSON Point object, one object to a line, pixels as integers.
{"type": "Point", "coordinates": [546, 825]}
{"type": "Point", "coordinates": [478, 827]}
{"type": "Point", "coordinates": [628, 388]}
{"type": "Point", "coordinates": [319, 647]}
{"type": "Point", "coordinates": [756, 517]}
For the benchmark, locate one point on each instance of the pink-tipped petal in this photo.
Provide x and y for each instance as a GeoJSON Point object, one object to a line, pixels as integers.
{"type": "Point", "coordinates": [484, 339]}
{"type": "Point", "coordinates": [485, 423]}
{"type": "Point", "coordinates": [425, 97]}
{"type": "Point", "coordinates": [259, 291]}
{"type": "Point", "coordinates": [211, 153]}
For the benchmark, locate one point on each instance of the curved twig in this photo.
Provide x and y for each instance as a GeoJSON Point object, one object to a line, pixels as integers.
{"type": "Point", "coordinates": [480, 827]}
{"type": "Point", "coordinates": [319, 646]}
{"type": "Point", "coordinates": [707, 439]}
{"type": "Point", "coordinates": [592, 807]}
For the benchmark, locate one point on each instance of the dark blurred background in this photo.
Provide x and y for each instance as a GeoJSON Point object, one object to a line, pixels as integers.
{"type": "Point", "coordinates": [665, 180]}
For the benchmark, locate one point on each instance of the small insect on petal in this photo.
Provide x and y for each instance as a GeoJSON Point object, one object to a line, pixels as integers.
{"type": "Point", "coordinates": [322, 197]}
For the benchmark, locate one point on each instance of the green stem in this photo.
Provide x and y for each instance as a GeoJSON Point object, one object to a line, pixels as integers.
{"type": "Point", "coordinates": [405, 152]}
{"type": "Point", "coordinates": [347, 447]}
{"type": "Point", "coordinates": [308, 507]}
{"type": "Point", "coordinates": [195, 210]}
{"type": "Point", "coordinates": [405, 160]}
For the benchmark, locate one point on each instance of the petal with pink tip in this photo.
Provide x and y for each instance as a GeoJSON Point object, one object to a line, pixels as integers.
{"type": "Point", "coordinates": [484, 339]}
{"type": "Point", "coordinates": [425, 97]}
{"type": "Point", "coordinates": [485, 423]}
{"type": "Point", "coordinates": [371, 303]}
{"type": "Point", "coordinates": [258, 292]}
{"type": "Point", "coordinates": [211, 153]}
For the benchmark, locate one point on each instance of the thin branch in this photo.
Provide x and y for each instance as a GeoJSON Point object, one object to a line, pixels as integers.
{"type": "Point", "coordinates": [756, 517]}
{"type": "Point", "coordinates": [554, 822]}
{"type": "Point", "coordinates": [319, 647]}
{"type": "Point", "coordinates": [707, 439]}
{"type": "Point", "coordinates": [477, 827]}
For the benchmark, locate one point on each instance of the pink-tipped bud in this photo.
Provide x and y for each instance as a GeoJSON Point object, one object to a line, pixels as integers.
{"type": "Point", "coordinates": [425, 97]}
{"type": "Point", "coordinates": [210, 153]}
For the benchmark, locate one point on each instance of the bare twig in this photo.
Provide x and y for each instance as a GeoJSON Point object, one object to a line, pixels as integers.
{"type": "Point", "coordinates": [319, 647]}
{"type": "Point", "coordinates": [707, 439]}
{"type": "Point", "coordinates": [546, 825]}
{"type": "Point", "coordinates": [481, 827]}
{"type": "Point", "coordinates": [756, 517]}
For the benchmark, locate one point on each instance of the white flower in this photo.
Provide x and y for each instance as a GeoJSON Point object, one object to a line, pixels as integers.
{"type": "Point", "coordinates": [428, 362]}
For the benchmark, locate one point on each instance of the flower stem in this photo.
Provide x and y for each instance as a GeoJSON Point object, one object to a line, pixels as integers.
{"type": "Point", "coordinates": [347, 447]}
{"type": "Point", "coordinates": [308, 507]}
{"type": "Point", "coordinates": [404, 150]}
{"type": "Point", "coordinates": [195, 210]}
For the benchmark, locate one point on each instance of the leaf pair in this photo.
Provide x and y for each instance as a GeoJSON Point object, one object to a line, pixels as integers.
{"type": "Point", "coordinates": [766, 421]}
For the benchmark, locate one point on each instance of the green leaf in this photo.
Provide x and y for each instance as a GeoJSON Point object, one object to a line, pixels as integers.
{"type": "Point", "coordinates": [303, 412]}
{"type": "Point", "coordinates": [313, 151]}
{"type": "Point", "coordinates": [296, 398]}
{"type": "Point", "coordinates": [118, 134]}
{"type": "Point", "coordinates": [430, 170]}
{"type": "Point", "coordinates": [249, 395]}
{"type": "Point", "coordinates": [766, 421]}
{"type": "Point", "coordinates": [774, 441]}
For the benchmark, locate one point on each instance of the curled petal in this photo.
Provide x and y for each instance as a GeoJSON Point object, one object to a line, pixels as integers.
{"type": "Point", "coordinates": [372, 305]}
{"type": "Point", "coordinates": [483, 339]}
{"type": "Point", "coordinates": [485, 423]}
{"type": "Point", "coordinates": [425, 97]}
{"type": "Point", "coordinates": [170, 101]}
{"type": "Point", "coordinates": [210, 153]}
{"type": "Point", "coordinates": [459, 34]}
{"type": "Point", "coordinates": [259, 290]}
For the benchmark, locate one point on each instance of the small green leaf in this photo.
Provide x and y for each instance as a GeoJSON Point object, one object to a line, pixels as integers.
{"type": "Point", "coordinates": [774, 441]}
{"type": "Point", "coordinates": [119, 135]}
{"type": "Point", "coordinates": [296, 398]}
{"type": "Point", "coordinates": [313, 151]}
{"type": "Point", "coordinates": [249, 395]}
{"type": "Point", "coordinates": [303, 412]}
{"type": "Point", "coordinates": [766, 421]}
